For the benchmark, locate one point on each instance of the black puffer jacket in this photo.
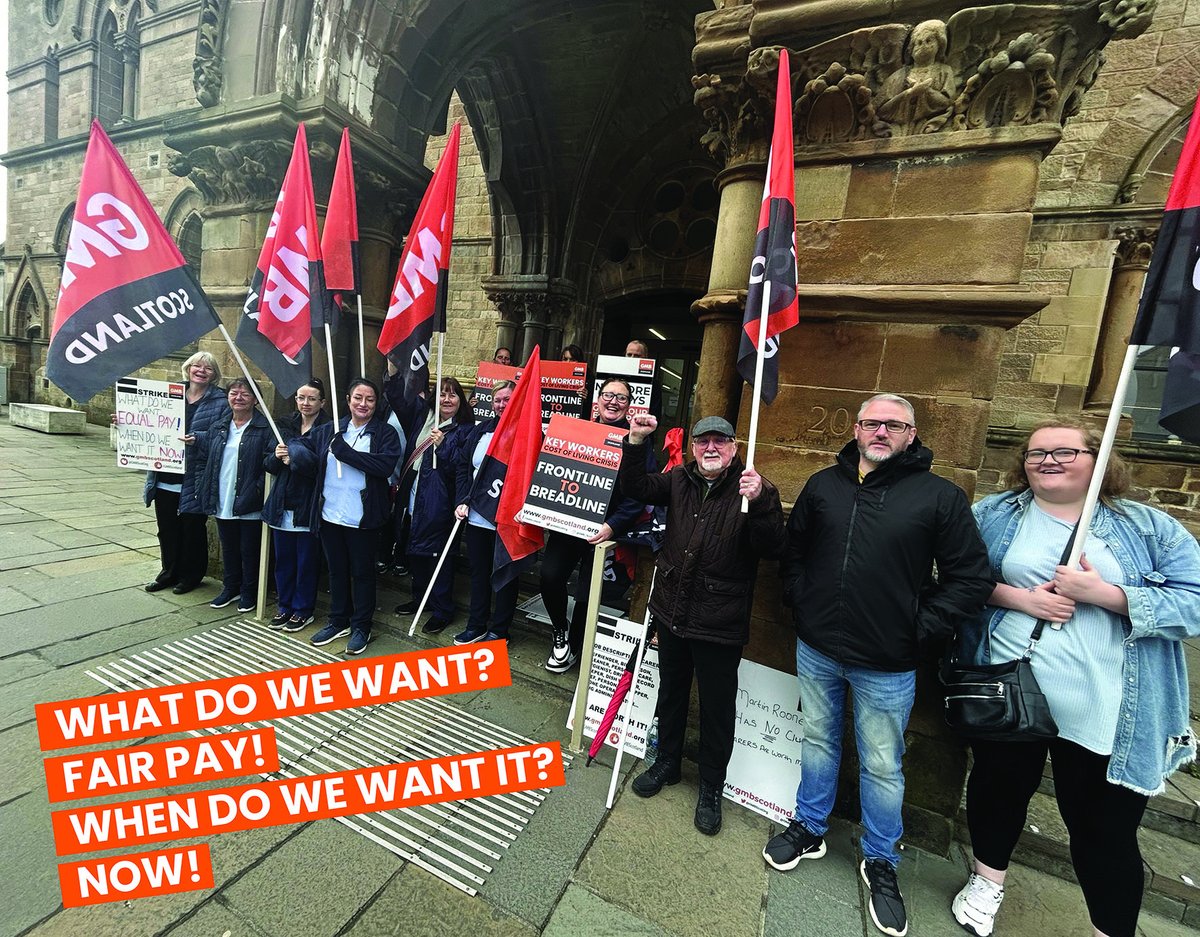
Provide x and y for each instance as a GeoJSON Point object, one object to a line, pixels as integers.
{"type": "Point", "coordinates": [859, 566]}
{"type": "Point", "coordinates": [705, 571]}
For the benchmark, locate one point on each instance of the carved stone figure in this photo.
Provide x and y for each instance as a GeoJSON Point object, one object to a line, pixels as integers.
{"type": "Point", "coordinates": [919, 97]}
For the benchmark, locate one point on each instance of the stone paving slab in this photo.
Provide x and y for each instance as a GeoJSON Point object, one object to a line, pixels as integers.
{"type": "Point", "coordinates": [40, 627]}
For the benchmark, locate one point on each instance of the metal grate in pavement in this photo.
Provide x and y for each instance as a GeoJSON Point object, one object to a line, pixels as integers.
{"type": "Point", "coordinates": [458, 842]}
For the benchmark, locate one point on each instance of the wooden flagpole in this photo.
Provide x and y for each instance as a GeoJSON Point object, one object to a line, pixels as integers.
{"type": "Point", "coordinates": [758, 373]}
{"type": "Point", "coordinates": [437, 392]}
{"type": "Point", "coordinates": [332, 389]}
{"type": "Point", "coordinates": [262, 405]}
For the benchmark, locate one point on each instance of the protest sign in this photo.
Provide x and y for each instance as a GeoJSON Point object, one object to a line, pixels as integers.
{"type": "Point", "coordinates": [765, 767]}
{"type": "Point", "coordinates": [574, 477]}
{"type": "Point", "coordinates": [615, 641]}
{"type": "Point", "coordinates": [149, 417]}
{"type": "Point", "coordinates": [562, 386]}
{"type": "Point", "coordinates": [638, 372]}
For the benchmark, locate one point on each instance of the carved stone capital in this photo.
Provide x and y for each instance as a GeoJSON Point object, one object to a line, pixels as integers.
{"type": "Point", "coordinates": [530, 298]}
{"type": "Point", "coordinates": [250, 171]}
{"type": "Point", "coordinates": [1135, 246]}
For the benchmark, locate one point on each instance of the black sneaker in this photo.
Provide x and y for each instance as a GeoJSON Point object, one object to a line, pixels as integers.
{"type": "Point", "coordinates": [887, 904]}
{"type": "Point", "coordinates": [406, 608]}
{"type": "Point", "coordinates": [435, 626]}
{"type": "Point", "coordinates": [469, 636]}
{"type": "Point", "coordinates": [654, 778]}
{"type": "Point", "coordinates": [297, 622]}
{"type": "Point", "coordinates": [279, 621]}
{"type": "Point", "coordinates": [708, 809]}
{"type": "Point", "coordinates": [223, 599]}
{"type": "Point", "coordinates": [784, 852]}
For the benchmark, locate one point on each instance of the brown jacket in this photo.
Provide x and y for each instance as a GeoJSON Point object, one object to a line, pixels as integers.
{"type": "Point", "coordinates": [705, 572]}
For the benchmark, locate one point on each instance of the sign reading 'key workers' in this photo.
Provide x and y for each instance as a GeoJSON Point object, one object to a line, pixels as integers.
{"type": "Point", "coordinates": [574, 477]}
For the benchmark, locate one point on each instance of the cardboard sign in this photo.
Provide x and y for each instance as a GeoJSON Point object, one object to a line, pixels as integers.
{"type": "Point", "coordinates": [615, 639]}
{"type": "Point", "coordinates": [764, 770]}
{"type": "Point", "coordinates": [562, 386]}
{"type": "Point", "coordinates": [574, 477]}
{"type": "Point", "coordinates": [149, 423]}
{"type": "Point", "coordinates": [637, 372]}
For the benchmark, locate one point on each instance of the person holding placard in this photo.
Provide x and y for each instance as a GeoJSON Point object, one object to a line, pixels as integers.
{"type": "Point", "coordinates": [703, 590]}
{"type": "Point", "coordinates": [491, 612]}
{"type": "Point", "coordinates": [182, 526]}
{"type": "Point", "coordinates": [563, 552]}
{"type": "Point", "coordinates": [287, 511]}
{"type": "Point", "coordinates": [350, 507]}
{"type": "Point", "coordinates": [230, 461]}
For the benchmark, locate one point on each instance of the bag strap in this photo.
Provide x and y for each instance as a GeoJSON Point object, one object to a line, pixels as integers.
{"type": "Point", "coordinates": [1036, 634]}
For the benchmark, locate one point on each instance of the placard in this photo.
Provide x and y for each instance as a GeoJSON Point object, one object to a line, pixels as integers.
{"type": "Point", "coordinates": [563, 384]}
{"type": "Point", "coordinates": [638, 372]}
{"type": "Point", "coordinates": [764, 770]}
{"type": "Point", "coordinates": [574, 477]}
{"type": "Point", "coordinates": [615, 641]}
{"type": "Point", "coordinates": [487, 376]}
{"type": "Point", "coordinates": [149, 417]}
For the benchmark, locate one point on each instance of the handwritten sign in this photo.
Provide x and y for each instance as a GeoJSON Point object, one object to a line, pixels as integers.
{"type": "Point", "coordinates": [149, 423]}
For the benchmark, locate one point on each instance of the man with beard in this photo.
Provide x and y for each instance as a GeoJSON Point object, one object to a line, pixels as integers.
{"type": "Point", "coordinates": [703, 590]}
{"type": "Point", "coordinates": [858, 572]}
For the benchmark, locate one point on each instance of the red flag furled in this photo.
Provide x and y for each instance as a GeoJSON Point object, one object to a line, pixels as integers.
{"type": "Point", "coordinates": [418, 302]}
{"type": "Point", "coordinates": [127, 297]}
{"type": "Point", "coordinates": [1169, 312]}
{"type": "Point", "coordinates": [277, 321]}
{"type": "Point", "coordinates": [339, 239]}
{"type": "Point", "coordinates": [511, 456]}
{"type": "Point", "coordinates": [774, 265]}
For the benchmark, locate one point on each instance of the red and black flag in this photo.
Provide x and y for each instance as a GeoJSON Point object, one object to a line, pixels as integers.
{"type": "Point", "coordinates": [1169, 312]}
{"type": "Point", "coordinates": [773, 268]}
{"type": "Point", "coordinates": [503, 479]}
{"type": "Point", "coordinates": [339, 239]}
{"type": "Point", "coordinates": [418, 302]}
{"type": "Point", "coordinates": [277, 321]}
{"type": "Point", "coordinates": [127, 297]}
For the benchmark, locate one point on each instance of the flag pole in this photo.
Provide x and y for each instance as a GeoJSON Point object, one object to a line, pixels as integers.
{"type": "Point", "coordinates": [437, 391]}
{"type": "Point", "coordinates": [432, 579]}
{"type": "Point", "coordinates": [253, 385]}
{"type": "Point", "coordinates": [332, 388]}
{"type": "Point", "coordinates": [362, 348]}
{"type": "Point", "coordinates": [264, 558]}
{"type": "Point", "coordinates": [758, 373]}
{"type": "Point", "coordinates": [627, 703]}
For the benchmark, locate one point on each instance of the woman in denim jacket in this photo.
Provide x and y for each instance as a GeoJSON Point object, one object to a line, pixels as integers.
{"type": "Point", "coordinates": [1112, 669]}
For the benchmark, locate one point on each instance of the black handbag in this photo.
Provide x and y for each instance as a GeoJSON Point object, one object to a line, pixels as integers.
{"type": "Point", "coordinates": [998, 702]}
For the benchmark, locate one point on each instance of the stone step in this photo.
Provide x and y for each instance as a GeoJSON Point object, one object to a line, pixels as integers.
{"type": "Point", "coordinates": [1172, 864]}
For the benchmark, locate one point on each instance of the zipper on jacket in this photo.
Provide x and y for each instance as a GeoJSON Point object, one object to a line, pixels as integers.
{"type": "Point", "coordinates": [846, 559]}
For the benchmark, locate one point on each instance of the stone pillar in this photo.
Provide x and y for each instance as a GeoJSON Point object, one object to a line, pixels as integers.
{"type": "Point", "coordinates": [917, 165]}
{"type": "Point", "coordinates": [529, 306]}
{"type": "Point", "coordinates": [1134, 247]}
{"type": "Point", "coordinates": [128, 47]}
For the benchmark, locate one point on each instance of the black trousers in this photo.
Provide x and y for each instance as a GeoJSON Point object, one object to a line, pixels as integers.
{"type": "Point", "coordinates": [182, 540]}
{"type": "Point", "coordinates": [561, 555]}
{"type": "Point", "coordinates": [240, 544]}
{"type": "Point", "coordinates": [1101, 819]}
{"type": "Point", "coordinates": [350, 555]}
{"type": "Point", "coordinates": [716, 670]}
{"type": "Point", "coordinates": [490, 610]}
{"type": "Point", "coordinates": [441, 599]}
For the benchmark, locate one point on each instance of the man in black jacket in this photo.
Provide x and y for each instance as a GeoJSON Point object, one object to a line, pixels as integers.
{"type": "Point", "coordinates": [862, 541]}
{"type": "Point", "coordinates": [703, 589]}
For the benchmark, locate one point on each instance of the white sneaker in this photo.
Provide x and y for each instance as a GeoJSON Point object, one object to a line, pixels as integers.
{"type": "Point", "coordinates": [976, 905]}
{"type": "Point", "coordinates": [561, 658]}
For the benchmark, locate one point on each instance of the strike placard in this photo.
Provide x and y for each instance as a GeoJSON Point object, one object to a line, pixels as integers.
{"type": "Point", "coordinates": [637, 372]}
{"type": "Point", "coordinates": [149, 417]}
{"type": "Point", "coordinates": [574, 477]}
{"type": "Point", "coordinates": [563, 386]}
{"type": "Point", "coordinates": [487, 376]}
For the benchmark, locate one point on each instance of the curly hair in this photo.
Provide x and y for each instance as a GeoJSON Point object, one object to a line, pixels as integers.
{"type": "Point", "coordinates": [1117, 476]}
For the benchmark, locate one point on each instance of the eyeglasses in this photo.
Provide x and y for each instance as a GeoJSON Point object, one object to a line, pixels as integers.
{"type": "Point", "coordinates": [711, 442]}
{"type": "Point", "coordinates": [893, 426]}
{"type": "Point", "coordinates": [1063, 456]}
{"type": "Point", "coordinates": [609, 395]}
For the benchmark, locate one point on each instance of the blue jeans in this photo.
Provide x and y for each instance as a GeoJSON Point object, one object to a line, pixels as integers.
{"type": "Point", "coordinates": [882, 703]}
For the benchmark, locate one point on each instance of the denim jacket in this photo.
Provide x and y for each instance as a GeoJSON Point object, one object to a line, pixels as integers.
{"type": "Point", "coordinates": [1161, 562]}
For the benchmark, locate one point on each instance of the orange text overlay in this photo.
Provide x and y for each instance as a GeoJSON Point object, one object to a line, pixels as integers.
{"type": "Point", "coordinates": [117, 878]}
{"type": "Point", "coordinates": [265, 696]}
{"type": "Point", "coordinates": [297, 800]}
{"type": "Point", "coordinates": [119, 771]}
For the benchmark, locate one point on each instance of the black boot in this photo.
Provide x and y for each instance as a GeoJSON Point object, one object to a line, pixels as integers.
{"type": "Point", "coordinates": [651, 781]}
{"type": "Point", "coordinates": [708, 809]}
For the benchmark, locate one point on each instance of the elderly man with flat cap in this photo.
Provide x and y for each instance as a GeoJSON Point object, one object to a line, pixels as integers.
{"type": "Point", "coordinates": [703, 589]}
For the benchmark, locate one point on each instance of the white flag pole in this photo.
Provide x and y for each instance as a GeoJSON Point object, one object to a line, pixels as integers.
{"type": "Point", "coordinates": [437, 392]}
{"type": "Point", "coordinates": [332, 389]}
{"type": "Point", "coordinates": [362, 348]}
{"type": "Point", "coordinates": [758, 373]}
{"type": "Point", "coordinates": [262, 406]}
{"type": "Point", "coordinates": [432, 579]}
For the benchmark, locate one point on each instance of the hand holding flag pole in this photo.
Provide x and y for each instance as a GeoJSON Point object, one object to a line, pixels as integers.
{"type": "Point", "coordinates": [771, 303]}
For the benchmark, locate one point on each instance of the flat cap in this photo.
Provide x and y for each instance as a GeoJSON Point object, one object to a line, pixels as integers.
{"type": "Point", "coordinates": [713, 424]}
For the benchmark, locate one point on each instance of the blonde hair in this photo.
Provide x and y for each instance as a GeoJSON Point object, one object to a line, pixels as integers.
{"type": "Point", "coordinates": [202, 357]}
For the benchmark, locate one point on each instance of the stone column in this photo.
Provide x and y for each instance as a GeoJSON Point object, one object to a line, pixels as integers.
{"type": "Point", "coordinates": [1134, 247]}
{"type": "Point", "coordinates": [917, 165]}
{"type": "Point", "coordinates": [529, 305]}
{"type": "Point", "coordinates": [127, 45]}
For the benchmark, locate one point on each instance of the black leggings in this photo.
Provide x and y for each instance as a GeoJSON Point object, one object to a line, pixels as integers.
{"type": "Point", "coordinates": [1102, 821]}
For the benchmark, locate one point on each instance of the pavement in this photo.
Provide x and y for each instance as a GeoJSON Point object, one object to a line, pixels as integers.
{"type": "Point", "coordinates": [76, 547]}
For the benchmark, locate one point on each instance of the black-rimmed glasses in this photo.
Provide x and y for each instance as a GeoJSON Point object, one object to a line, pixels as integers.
{"type": "Point", "coordinates": [609, 395]}
{"type": "Point", "coordinates": [1062, 455]}
{"type": "Point", "coordinates": [893, 426]}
